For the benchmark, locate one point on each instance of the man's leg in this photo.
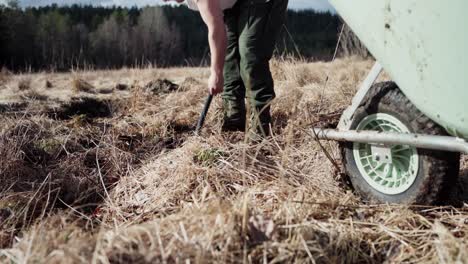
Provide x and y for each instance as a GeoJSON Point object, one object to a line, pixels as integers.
{"type": "Point", "coordinates": [260, 23]}
{"type": "Point", "coordinates": [234, 89]}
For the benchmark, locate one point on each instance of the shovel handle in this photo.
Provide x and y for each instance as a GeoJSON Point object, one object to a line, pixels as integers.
{"type": "Point", "coordinates": [201, 121]}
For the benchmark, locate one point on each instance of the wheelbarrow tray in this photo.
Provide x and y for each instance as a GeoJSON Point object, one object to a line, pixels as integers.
{"type": "Point", "coordinates": [422, 45]}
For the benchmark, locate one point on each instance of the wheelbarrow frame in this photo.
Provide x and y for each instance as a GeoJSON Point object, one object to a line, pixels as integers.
{"type": "Point", "coordinates": [345, 134]}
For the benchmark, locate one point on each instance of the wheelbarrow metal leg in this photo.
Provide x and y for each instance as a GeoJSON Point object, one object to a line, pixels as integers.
{"type": "Point", "coordinates": [345, 121]}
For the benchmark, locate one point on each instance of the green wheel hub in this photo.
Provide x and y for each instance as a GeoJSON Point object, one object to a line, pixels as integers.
{"type": "Point", "coordinates": [390, 170]}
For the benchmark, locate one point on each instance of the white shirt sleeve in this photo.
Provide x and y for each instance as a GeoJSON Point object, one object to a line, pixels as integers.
{"type": "Point", "coordinates": [192, 4]}
{"type": "Point", "coordinates": [225, 4]}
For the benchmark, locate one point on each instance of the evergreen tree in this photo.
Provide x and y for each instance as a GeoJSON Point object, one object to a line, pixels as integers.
{"type": "Point", "coordinates": [61, 37]}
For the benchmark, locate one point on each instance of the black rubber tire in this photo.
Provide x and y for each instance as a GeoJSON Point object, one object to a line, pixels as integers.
{"type": "Point", "coordinates": [438, 170]}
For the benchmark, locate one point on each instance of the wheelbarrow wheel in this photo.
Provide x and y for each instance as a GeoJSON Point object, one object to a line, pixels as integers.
{"type": "Point", "coordinates": [397, 174]}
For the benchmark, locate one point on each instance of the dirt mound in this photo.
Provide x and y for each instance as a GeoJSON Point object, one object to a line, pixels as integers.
{"type": "Point", "coordinates": [105, 90]}
{"type": "Point", "coordinates": [121, 87]}
{"type": "Point", "coordinates": [161, 86]}
{"type": "Point", "coordinates": [64, 162]}
{"type": "Point", "coordinates": [59, 166]}
{"type": "Point", "coordinates": [36, 152]}
{"type": "Point", "coordinates": [83, 106]}
{"type": "Point", "coordinates": [13, 107]}
{"type": "Point", "coordinates": [48, 84]}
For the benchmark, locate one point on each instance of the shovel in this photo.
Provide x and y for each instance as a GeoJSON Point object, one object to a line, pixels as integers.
{"type": "Point", "coordinates": [201, 121]}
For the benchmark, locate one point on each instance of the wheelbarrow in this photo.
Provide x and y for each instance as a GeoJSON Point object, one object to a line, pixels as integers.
{"type": "Point", "coordinates": [401, 141]}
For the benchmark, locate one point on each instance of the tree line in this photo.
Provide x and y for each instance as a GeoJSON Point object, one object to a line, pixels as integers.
{"type": "Point", "coordinates": [84, 36]}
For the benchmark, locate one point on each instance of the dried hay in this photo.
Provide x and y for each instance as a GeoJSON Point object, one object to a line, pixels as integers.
{"type": "Point", "coordinates": [180, 198]}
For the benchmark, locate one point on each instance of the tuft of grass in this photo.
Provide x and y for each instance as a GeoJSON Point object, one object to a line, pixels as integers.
{"type": "Point", "coordinates": [79, 121]}
{"type": "Point", "coordinates": [188, 84]}
{"type": "Point", "coordinates": [80, 85]}
{"type": "Point", "coordinates": [208, 157]}
{"type": "Point", "coordinates": [24, 83]}
{"type": "Point", "coordinates": [49, 145]}
{"type": "Point", "coordinates": [298, 73]}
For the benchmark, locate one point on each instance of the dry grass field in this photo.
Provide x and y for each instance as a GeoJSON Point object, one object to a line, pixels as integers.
{"type": "Point", "coordinates": [103, 167]}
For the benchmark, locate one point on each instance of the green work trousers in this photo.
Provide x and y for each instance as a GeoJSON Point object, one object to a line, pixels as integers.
{"type": "Point", "coordinates": [252, 29]}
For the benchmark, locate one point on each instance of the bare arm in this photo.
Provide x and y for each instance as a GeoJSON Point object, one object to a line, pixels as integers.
{"type": "Point", "coordinates": [212, 15]}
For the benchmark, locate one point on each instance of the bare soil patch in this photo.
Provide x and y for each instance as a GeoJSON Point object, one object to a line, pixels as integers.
{"type": "Point", "coordinates": [83, 106]}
